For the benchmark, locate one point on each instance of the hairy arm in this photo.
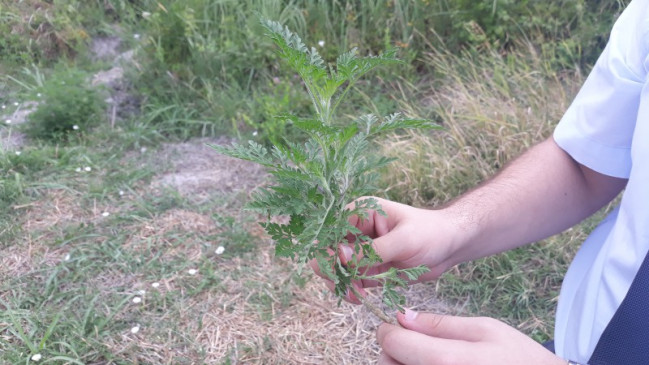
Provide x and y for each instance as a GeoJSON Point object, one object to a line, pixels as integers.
{"type": "Point", "coordinates": [541, 193]}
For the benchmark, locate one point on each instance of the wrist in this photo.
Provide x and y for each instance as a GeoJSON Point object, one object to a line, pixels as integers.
{"type": "Point", "coordinates": [460, 228]}
{"type": "Point", "coordinates": [450, 235]}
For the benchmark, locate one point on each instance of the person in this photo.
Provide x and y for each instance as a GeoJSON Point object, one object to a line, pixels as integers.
{"type": "Point", "coordinates": [599, 148]}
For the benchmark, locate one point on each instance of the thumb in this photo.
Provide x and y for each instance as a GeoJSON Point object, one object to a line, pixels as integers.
{"type": "Point", "coordinates": [443, 326]}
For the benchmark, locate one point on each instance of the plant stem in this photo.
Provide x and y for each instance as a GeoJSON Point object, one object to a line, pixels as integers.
{"type": "Point", "coordinates": [374, 309]}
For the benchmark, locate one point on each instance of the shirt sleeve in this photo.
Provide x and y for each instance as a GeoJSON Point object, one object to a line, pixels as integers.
{"type": "Point", "coordinates": [597, 128]}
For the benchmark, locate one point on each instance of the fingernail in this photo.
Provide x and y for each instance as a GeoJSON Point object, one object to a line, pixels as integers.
{"type": "Point", "coordinates": [347, 252]}
{"type": "Point", "coordinates": [410, 315]}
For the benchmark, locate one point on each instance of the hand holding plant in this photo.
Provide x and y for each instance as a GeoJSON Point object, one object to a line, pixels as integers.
{"type": "Point", "coordinates": [317, 184]}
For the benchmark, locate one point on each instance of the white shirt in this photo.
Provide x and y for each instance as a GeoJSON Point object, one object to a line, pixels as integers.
{"type": "Point", "coordinates": [607, 129]}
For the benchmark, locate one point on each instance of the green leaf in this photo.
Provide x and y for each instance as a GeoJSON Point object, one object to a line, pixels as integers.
{"type": "Point", "coordinates": [414, 273]}
{"type": "Point", "coordinates": [284, 248]}
{"type": "Point", "coordinates": [306, 62]}
{"type": "Point", "coordinates": [253, 152]}
{"type": "Point", "coordinates": [325, 267]}
{"type": "Point", "coordinates": [398, 121]}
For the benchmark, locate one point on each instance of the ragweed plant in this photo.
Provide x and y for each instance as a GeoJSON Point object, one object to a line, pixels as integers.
{"type": "Point", "coordinates": [318, 184]}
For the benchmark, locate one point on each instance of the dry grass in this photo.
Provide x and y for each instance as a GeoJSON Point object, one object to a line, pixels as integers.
{"type": "Point", "coordinates": [41, 222]}
{"type": "Point", "coordinates": [491, 108]}
{"type": "Point", "coordinates": [263, 317]}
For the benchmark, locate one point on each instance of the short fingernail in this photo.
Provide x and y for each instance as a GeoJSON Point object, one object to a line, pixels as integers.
{"type": "Point", "coordinates": [410, 315]}
{"type": "Point", "coordinates": [347, 252]}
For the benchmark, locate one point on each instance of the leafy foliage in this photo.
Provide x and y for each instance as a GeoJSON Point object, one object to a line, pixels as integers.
{"type": "Point", "coordinates": [318, 184]}
{"type": "Point", "coordinates": [66, 103]}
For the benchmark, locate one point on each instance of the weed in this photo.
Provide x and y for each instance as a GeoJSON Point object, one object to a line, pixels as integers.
{"type": "Point", "coordinates": [68, 107]}
{"type": "Point", "coordinates": [317, 184]}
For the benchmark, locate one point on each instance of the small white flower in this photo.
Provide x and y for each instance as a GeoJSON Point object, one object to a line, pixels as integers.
{"type": "Point", "coordinates": [135, 329]}
{"type": "Point", "coordinates": [137, 300]}
{"type": "Point", "coordinates": [136, 36]}
{"type": "Point", "coordinates": [4, 107]}
{"type": "Point", "coordinates": [143, 150]}
{"type": "Point", "coordinates": [105, 214]}
{"type": "Point", "coordinates": [16, 103]}
{"type": "Point", "coordinates": [141, 292]}
{"type": "Point", "coordinates": [78, 169]}
{"type": "Point", "coordinates": [67, 257]}
{"type": "Point", "coordinates": [75, 127]}
{"type": "Point", "coordinates": [121, 192]}
{"type": "Point", "coordinates": [155, 285]}
{"type": "Point", "coordinates": [36, 357]}
{"type": "Point", "coordinates": [38, 95]}
{"type": "Point", "coordinates": [254, 134]}
{"type": "Point", "coordinates": [192, 271]}
{"type": "Point", "coordinates": [18, 153]}
{"type": "Point", "coordinates": [8, 121]}
{"type": "Point", "coordinates": [219, 250]}
{"type": "Point", "coordinates": [87, 168]}
{"type": "Point", "coordinates": [321, 43]}
{"type": "Point", "coordinates": [145, 14]}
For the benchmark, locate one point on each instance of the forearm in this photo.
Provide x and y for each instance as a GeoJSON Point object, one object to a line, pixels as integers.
{"type": "Point", "coordinates": [541, 193]}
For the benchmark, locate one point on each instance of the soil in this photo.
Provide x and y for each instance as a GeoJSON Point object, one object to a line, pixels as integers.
{"type": "Point", "coordinates": [10, 138]}
{"type": "Point", "coordinates": [198, 170]}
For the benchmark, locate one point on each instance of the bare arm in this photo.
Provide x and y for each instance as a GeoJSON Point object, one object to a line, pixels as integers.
{"type": "Point", "coordinates": [541, 193]}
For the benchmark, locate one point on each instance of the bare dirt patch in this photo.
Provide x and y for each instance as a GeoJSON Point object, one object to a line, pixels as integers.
{"type": "Point", "coordinates": [10, 137]}
{"type": "Point", "coordinates": [198, 170]}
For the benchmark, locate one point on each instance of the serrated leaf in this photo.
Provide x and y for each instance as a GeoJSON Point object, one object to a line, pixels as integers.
{"type": "Point", "coordinates": [253, 152]}
{"type": "Point", "coordinates": [392, 299]}
{"type": "Point", "coordinates": [326, 268]}
{"type": "Point", "coordinates": [284, 248]}
{"type": "Point", "coordinates": [414, 273]}
{"type": "Point", "coordinates": [398, 121]}
{"type": "Point", "coordinates": [306, 62]}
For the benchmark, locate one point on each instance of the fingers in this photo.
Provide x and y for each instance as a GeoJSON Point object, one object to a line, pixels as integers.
{"type": "Point", "coordinates": [407, 347]}
{"type": "Point", "coordinates": [375, 225]}
{"type": "Point", "coordinates": [387, 360]}
{"type": "Point", "coordinates": [449, 327]}
{"type": "Point", "coordinates": [443, 340]}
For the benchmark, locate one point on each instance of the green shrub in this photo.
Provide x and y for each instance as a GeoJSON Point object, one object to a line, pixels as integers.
{"type": "Point", "coordinates": [203, 54]}
{"type": "Point", "coordinates": [67, 105]}
{"type": "Point", "coordinates": [570, 31]}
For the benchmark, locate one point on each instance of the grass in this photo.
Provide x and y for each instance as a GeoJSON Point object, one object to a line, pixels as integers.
{"type": "Point", "coordinates": [69, 273]}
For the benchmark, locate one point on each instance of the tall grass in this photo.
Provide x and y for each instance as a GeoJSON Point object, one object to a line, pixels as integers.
{"type": "Point", "coordinates": [210, 58]}
{"type": "Point", "coordinates": [492, 108]}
